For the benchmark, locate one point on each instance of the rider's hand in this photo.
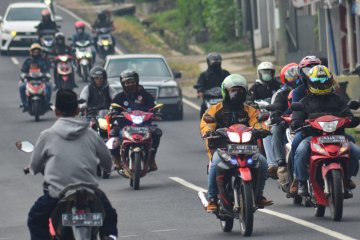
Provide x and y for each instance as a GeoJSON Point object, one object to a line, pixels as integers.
{"type": "Point", "coordinates": [275, 119]}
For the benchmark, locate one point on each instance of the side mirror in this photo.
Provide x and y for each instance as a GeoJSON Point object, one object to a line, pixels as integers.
{"type": "Point", "coordinates": [297, 106]}
{"type": "Point", "coordinates": [158, 106]}
{"type": "Point", "coordinates": [177, 74]}
{"type": "Point", "coordinates": [24, 146]}
{"type": "Point", "coordinates": [209, 119]}
{"type": "Point", "coordinates": [115, 105]}
{"type": "Point", "coordinates": [354, 105]}
{"type": "Point", "coordinates": [58, 18]}
{"type": "Point", "coordinates": [263, 117]}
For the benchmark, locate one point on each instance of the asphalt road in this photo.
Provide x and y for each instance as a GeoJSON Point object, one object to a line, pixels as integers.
{"type": "Point", "coordinates": [162, 208]}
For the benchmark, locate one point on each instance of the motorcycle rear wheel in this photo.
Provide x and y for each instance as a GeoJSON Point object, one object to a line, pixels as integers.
{"type": "Point", "coordinates": [36, 110]}
{"type": "Point", "coordinates": [246, 216]}
{"type": "Point", "coordinates": [227, 224]}
{"type": "Point", "coordinates": [137, 170]}
{"type": "Point", "coordinates": [336, 197]}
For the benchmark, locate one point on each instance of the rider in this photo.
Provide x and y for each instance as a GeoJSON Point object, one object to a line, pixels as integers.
{"type": "Point", "coordinates": [103, 20]}
{"type": "Point", "coordinates": [61, 49]}
{"type": "Point", "coordinates": [231, 110]}
{"type": "Point", "coordinates": [98, 93]}
{"type": "Point", "coordinates": [321, 99]}
{"type": "Point", "coordinates": [46, 22]}
{"type": "Point", "coordinates": [84, 150]}
{"type": "Point", "coordinates": [135, 97]}
{"type": "Point", "coordinates": [34, 61]}
{"type": "Point", "coordinates": [81, 35]}
{"type": "Point", "coordinates": [290, 78]}
{"type": "Point", "coordinates": [212, 77]}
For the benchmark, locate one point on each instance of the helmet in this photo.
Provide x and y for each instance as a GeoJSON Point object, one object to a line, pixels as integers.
{"type": "Point", "coordinates": [79, 26]}
{"type": "Point", "coordinates": [289, 75]}
{"type": "Point", "coordinates": [33, 47]}
{"type": "Point", "coordinates": [45, 14]}
{"type": "Point", "coordinates": [233, 80]}
{"type": "Point", "coordinates": [98, 71]}
{"type": "Point", "coordinates": [266, 71]}
{"type": "Point", "coordinates": [320, 80]}
{"type": "Point", "coordinates": [213, 58]}
{"type": "Point", "coordinates": [306, 64]}
{"type": "Point", "coordinates": [60, 38]}
{"type": "Point", "coordinates": [127, 75]}
{"type": "Point", "coordinates": [102, 16]}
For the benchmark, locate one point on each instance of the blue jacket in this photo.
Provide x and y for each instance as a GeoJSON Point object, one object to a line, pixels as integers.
{"type": "Point", "coordinates": [41, 62]}
{"type": "Point", "coordinates": [81, 37]}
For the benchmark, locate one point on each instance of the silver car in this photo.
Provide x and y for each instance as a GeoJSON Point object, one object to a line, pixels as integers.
{"type": "Point", "coordinates": [18, 31]}
{"type": "Point", "coordinates": [155, 76]}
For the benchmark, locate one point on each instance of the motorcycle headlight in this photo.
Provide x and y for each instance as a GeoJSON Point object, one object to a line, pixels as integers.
{"type": "Point", "coordinates": [246, 137]}
{"type": "Point", "coordinates": [329, 126]}
{"type": "Point", "coordinates": [137, 119]}
{"type": "Point", "coordinates": [234, 137]}
{"type": "Point", "coordinates": [169, 92]}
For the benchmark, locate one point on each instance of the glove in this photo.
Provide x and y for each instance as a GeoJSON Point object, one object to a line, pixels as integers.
{"type": "Point", "coordinates": [354, 122]}
{"type": "Point", "coordinates": [275, 119]}
{"type": "Point", "coordinates": [209, 134]}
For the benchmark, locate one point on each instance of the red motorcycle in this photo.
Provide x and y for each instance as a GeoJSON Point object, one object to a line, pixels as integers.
{"type": "Point", "coordinates": [238, 174]}
{"type": "Point", "coordinates": [329, 163]}
{"type": "Point", "coordinates": [135, 150]}
{"type": "Point", "coordinates": [65, 71]}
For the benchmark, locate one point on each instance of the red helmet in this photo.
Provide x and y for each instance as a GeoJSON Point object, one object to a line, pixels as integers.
{"type": "Point", "coordinates": [306, 64]}
{"type": "Point", "coordinates": [45, 12]}
{"type": "Point", "coordinates": [283, 71]}
{"type": "Point", "coordinates": [79, 24]}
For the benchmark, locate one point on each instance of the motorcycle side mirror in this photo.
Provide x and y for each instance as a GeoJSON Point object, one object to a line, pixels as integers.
{"type": "Point", "coordinates": [209, 119]}
{"type": "Point", "coordinates": [177, 74]}
{"type": "Point", "coordinates": [297, 106]}
{"type": "Point", "coordinates": [354, 105]}
{"type": "Point", "coordinates": [58, 18]}
{"type": "Point", "coordinates": [115, 105]}
{"type": "Point", "coordinates": [263, 117]}
{"type": "Point", "coordinates": [24, 146]}
{"type": "Point", "coordinates": [157, 106]}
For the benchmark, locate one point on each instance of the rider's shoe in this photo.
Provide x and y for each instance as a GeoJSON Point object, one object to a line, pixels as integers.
{"type": "Point", "coordinates": [303, 189]}
{"type": "Point", "coordinates": [261, 201]}
{"type": "Point", "coordinates": [25, 109]}
{"type": "Point", "coordinates": [272, 172]}
{"type": "Point", "coordinates": [294, 187]}
{"type": "Point", "coordinates": [212, 206]}
{"type": "Point", "coordinates": [111, 237]}
{"type": "Point", "coordinates": [350, 184]}
{"type": "Point", "coordinates": [152, 163]}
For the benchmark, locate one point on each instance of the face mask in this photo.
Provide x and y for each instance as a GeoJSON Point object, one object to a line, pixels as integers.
{"type": "Point", "coordinates": [266, 77]}
{"type": "Point", "coordinates": [237, 98]}
{"type": "Point", "coordinates": [216, 67]}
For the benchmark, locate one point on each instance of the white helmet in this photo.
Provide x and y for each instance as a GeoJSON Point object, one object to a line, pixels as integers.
{"type": "Point", "coordinates": [266, 71]}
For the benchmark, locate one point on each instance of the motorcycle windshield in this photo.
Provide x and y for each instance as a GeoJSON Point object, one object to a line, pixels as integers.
{"type": "Point", "coordinates": [213, 92]}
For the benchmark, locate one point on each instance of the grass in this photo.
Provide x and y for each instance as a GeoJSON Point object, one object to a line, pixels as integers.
{"type": "Point", "coordinates": [355, 133]}
{"type": "Point", "coordinates": [190, 72]}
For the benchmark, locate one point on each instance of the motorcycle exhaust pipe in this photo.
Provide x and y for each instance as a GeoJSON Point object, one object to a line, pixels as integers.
{"type": "Point", "coordinates": [203, 199]}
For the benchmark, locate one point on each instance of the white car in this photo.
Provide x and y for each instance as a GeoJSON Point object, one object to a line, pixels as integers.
{"type": "Point", "coordinates": [17, 29]}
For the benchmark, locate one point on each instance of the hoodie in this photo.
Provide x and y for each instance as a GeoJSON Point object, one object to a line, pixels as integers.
{"type": "Point", "coordinates": [69, 153]}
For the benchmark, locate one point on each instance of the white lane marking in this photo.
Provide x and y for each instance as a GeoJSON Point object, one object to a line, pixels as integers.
{"type": "Point", "coordinates": [128, 236]}
{"type": "Point", "coordinates": [191, 104]}
{"type": "Point", "coordinates": [164, 230]}
{"type": "Point", "coordinates": [117, 50]}
{"type": "Point", "coordinates": [277, 214]}
{"type": "Point", "coordinates": [14, 60]}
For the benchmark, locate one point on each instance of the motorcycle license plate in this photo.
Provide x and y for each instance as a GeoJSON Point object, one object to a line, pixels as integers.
{"type": "Point", "coordinates": [214, 101]}
{"type": "Point", "coordinates": [85, 220]}
{"type": "Point", "coordinates": [139, 130]}
{"type": "Point", "coordinates": [332, 139]}
{"type": "Point", "coordinates": [242, 149]}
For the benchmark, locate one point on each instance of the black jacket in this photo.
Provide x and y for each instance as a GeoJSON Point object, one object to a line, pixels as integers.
{"type": "Point", "coordinates": [48, 25]}
{"type": "Point", "coordinates": [319, 105]}
{"type": "Point", "coordinates": [61, 50]}
{"type": "Point", "coordinates": [210, 78]}
{"type": "Point", "coordinates": [280, 103]}
{"type": "Point", "coordinates": [142, 100]}
{"type": "Point", "coordinates": [99, 98]}
{"type": "Point", "coordinates": [261, 90]}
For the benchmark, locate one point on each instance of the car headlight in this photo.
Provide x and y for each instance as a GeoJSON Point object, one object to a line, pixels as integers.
{"type": "Point", "coordinates": [9, 31]}
{"type": "Point", "coordinates": [169, 92]}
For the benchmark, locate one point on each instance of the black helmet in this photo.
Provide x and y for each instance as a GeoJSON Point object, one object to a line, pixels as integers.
{"type": "Point", "coordinates": [98, 71]}
{"type": "Point", "coordinates": [102, 16]}
{"type": "Point", "coordinates": [60, 38]}
{"type": "Point", "coordinates": [129, 74]}
{"type": "Point", "coordinates": [213, 58]}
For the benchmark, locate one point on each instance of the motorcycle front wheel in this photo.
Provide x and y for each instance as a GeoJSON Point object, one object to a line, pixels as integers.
{"type": "Point", "coordinates": [336, 197]}
{"type": "Point", "coordinates": [246, 218]}
{"type": "Point", "coordinates": [227, 224]}
{"type": "Point", "coordinates": [36, 110]}
{"type": "Point", "coordinates": [137, 170]}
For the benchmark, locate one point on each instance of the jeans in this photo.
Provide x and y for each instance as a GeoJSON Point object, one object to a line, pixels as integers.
{"type": "Point", "coordinates": [270, 154]}
{"type": "Point", "coordinates": [278, 142]}
{"type": "Point", "coordinates": [302, 156]}
{"type": "Point", "coordinates": [38, 218]}
{"type": "Point", "coordinates": [212, 185]}
{"type": "Point", "coordinates": [23, 97]}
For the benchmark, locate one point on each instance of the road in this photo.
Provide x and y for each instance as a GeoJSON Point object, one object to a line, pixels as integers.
{"type": "Point", "coordinates": [163, 208]}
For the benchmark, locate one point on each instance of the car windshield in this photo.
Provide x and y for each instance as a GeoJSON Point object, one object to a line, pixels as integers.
{"type": "Point", "coordinates": [24, 14]}
{"type": "Point", "coordinates": [145, 67]}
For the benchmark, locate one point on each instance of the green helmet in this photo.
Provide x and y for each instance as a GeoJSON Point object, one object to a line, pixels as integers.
{"type": "Point", "coordinates": [233, 80]}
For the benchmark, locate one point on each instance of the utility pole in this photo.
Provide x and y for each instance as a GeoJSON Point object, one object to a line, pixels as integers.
{"type": "Point", "coordinates": [251, 28]}
{"type": "Point", "coordinates": [281, 39]}
{"type": "Point", "coordinates": [350, 36]}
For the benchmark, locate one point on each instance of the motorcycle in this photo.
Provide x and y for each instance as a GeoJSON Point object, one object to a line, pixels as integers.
{"type": "Point", "coordinates": [65, 71]}
{"type": "Point", "coordinates": [135, 150]}
{"type": "Point", "coordinates": [105, 44]}
{"type": "Point", "coordinates": [35, 93]}
{"type": "Point", "coordinates": [47, 42]}
{"type": "Point", "coordinates": [84, 58]}
{"type": "Point", "coordinates": [328, 163]}
{"type": "Point", "coordinates": [238, 174]}
{"type": "Point", "coordinates": [79, 213]}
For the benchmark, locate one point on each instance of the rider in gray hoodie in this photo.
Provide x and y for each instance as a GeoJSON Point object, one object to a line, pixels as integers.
{"type": "Point", "coordinates": [69, 153]}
